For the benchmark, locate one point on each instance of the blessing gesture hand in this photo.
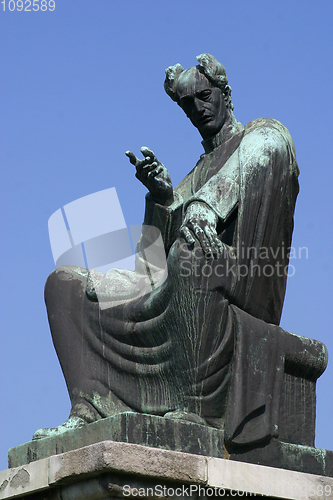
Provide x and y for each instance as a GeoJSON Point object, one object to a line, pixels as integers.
{"type": "Point", "coordinates": [153, 175]}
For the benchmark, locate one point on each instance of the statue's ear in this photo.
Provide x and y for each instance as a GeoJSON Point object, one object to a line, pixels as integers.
{"type": "Point", "coordinates": [172, 75]}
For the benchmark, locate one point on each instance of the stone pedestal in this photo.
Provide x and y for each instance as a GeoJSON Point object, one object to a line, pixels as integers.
{"type": "Point", "coordinates": [133, 455]}
{"type": "Point", "coordinates": [176, 435]}
{"type": "Point", "coordinates": [110, 469]}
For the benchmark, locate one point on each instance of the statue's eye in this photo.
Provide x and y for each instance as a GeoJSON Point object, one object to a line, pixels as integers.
{"type": "Point", "coordinates": [186, 103]}
{"type": "Point", "coordinates": [204, 95]}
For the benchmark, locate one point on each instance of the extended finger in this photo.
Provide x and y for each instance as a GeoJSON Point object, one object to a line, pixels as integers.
{"type": "Point", "coordinates": [143, 167]}
{"type": "Point", "coordinates": [217, 248]}
{"type": "Point", "coordinates": [187, 235]}
{"type": "Point", "coordinates": [146, 164]}
{"type": "Point", "coordinates": [214, 243]}
{"type": "Point", "coordinates": [148, 153]}
{"type": "Point", "coordinates": [202, 238]}
{"type": "Point", "coordinates": [132, 158]}
{"type": "Point", "coordinates": [148, 168]}
{"type": "Point", "coordinates": [155, 172]}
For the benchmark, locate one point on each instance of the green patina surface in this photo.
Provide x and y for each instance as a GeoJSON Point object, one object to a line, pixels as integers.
{"type": "Point", "coordinates": [130, 427]}
{"type": "Point", "coordinates": [177, 435]}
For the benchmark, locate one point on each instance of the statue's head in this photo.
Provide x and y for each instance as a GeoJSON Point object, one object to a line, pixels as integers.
{"type": "Point", "coordinates": [202, 92]}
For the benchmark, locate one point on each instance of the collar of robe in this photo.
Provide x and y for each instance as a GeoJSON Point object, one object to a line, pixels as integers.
{"type": "Point", "coordinates": [229, 129]}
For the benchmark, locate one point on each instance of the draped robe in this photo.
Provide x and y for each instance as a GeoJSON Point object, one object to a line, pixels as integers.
{"type": "Point", "coordinates": [204, 338]}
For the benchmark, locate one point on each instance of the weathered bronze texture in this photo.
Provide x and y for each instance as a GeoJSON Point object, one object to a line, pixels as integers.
{"type": "Point", "coordinates": [204, 345]}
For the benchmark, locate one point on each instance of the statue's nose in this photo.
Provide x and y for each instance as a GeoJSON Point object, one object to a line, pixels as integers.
{"type": "Point", "coordinates": [198, 106]}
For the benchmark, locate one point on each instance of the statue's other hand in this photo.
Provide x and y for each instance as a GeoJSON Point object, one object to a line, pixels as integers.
{"type": "Point", "coordinates": [200, 224]}
{"type": "Point", "coordinates": [153, 174]}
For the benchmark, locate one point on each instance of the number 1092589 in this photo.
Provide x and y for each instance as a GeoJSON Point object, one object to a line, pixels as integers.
{"type": "Point", "coordinates": [28, 5]}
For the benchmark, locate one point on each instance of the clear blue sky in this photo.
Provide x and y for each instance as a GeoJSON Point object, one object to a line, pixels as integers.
{"type": "Point", "coordinates": [80, 86]}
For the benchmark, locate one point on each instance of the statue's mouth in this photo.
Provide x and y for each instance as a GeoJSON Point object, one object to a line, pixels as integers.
{"type": "Point", "coordinates": [205, 119]}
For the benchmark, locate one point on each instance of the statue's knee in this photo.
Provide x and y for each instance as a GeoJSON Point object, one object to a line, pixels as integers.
{"type": "Point", "coordinates": [58, 278]}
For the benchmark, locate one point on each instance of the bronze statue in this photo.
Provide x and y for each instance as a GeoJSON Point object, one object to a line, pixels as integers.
{"type": "Point", "coordinates": [204, 344]}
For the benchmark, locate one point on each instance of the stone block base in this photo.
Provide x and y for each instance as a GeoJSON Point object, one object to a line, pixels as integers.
{"type": "Point", "coordinates": [111, 469]}
{"type": "Point", "coordinates": [175, 435]}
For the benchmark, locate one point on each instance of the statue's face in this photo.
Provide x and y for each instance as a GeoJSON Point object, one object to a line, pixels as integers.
{"type": "Point", "coordinates": [203, 104]}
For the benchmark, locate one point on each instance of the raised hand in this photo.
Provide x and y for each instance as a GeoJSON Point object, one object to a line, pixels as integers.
{"type": "Point", "coordinates": [200, 224]}
{"type": "Point", "coordinates": [153, 175]}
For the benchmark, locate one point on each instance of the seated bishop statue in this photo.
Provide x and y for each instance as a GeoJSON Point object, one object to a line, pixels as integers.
{"type": "Point", "coordinates": [196, 338]}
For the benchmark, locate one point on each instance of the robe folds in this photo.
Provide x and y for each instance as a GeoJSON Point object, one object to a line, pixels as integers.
{"type": "Point", "coordinates": [204, 337]}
